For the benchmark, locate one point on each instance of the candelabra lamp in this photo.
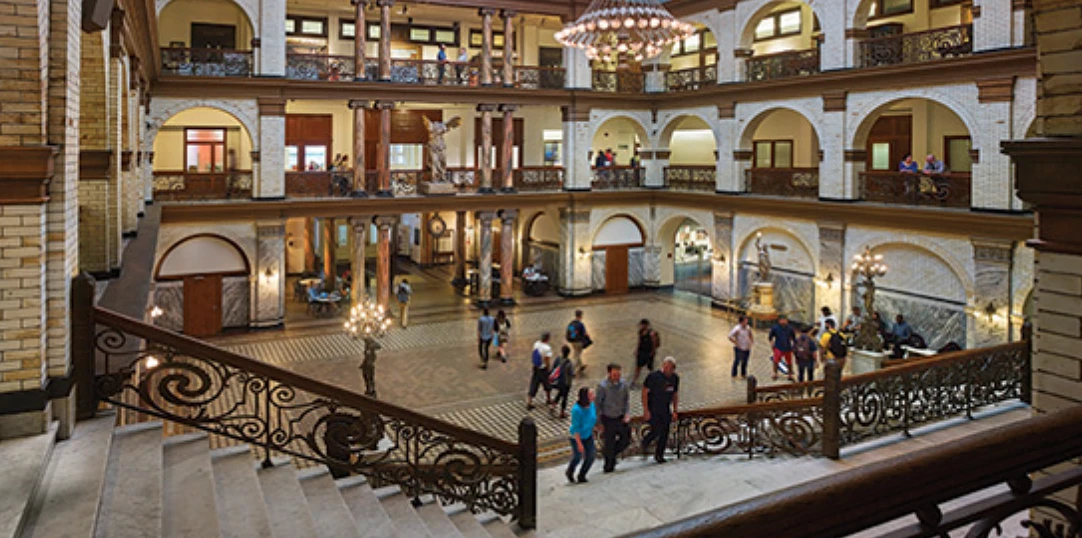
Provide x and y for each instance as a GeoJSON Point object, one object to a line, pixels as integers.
{"type": "Point", "coordinates": [867, 267]}
{"type": "Point", "coordinates": [368, 322]}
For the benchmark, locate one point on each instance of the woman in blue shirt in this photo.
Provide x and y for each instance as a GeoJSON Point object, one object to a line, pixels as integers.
{"type": "Point", "coordinates": [908, 165]}
{"type": "Point", "coordinates": [583, 420]}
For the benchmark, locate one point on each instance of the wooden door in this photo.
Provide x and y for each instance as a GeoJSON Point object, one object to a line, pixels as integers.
{"type": "Point", "coordinates": [895, 132]}
{"type": "Point", "coordinates": [213, 36]}
{"type": "Point", "coordinates": [616, 270]}
{"type": "Point", "coordinates": [202, 305]}
{"type": "Point", "coordinates": [497, 246]}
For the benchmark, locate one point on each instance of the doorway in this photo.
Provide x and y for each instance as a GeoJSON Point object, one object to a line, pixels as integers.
{"type": "Point", "coordinates": [692, 252]}
{"type": "Point", "coordinates": [616, 270]}
{"type": "Point", "coordinates": [202, 305]}
{"type": "Point", "coordinates": [214, 36]}
{"type": "Point", "coordinates": [890, 139]}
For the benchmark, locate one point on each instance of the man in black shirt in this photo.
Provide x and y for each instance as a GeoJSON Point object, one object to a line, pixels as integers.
{"type": "Point", "coordinates": [660, 393]}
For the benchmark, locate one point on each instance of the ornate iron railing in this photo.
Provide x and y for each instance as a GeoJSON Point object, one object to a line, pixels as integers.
{"type": "Point", "coordinates": [183, 380]}
{"type": "Point", "coordinates": [465, 179]}
{"type": "Point", "coordinates": [918, 46]}
{"type": "Point", "coordinates": [318, 184]}
{"type": "Point", "coordinates": [621, 81]}
{"type": "Point", "coordinates": [691, 178]}
{"type": "Point", "coordinates": [321, 67]}
{"type": "Point", "coordinates": [539, 178]}
{"type": "Point", "coordinates": [691, 79]}
{"type": "Point", "coordinates": [405, 182]}
{"type": "Point", "coordinates": [796, 63]}
{"type": "Point", "coordinates": [790, 182]}
{"type": "Point", "coordinates": [178, 186]}
{"type": "Point", "coordinates": [432, 72]}
{"type": "Point", "coordinates": [206, 62]}
{"type": "Point", "coordinates": [616, 178]}
{"type": "Point", "coordinates": [947, 190]}
{"type": "Point", "coordinates": [540, 78]}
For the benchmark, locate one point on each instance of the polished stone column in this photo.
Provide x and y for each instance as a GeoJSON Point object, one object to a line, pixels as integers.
{"type": "Point", "coordinates": [359, 226]}
{"type": "Point", "coordinates": [359, 108]}
{"type": "Point", "coordinates": [486, 45]}
{"type": "Point", "coordinates": [832, 279]}
{"type": "Point", "coordinates": [508, 48]}
{"type": "Point", "coordinates": [486, 147]}
{"type": "Point", "coordinates": [384, 38]}
{"type": "Point", "coordinates": [576, 254]}
{"type": "Point", "coordinates": [507, 147]}
{"type": "Point", "coordinates": [268, 289]}
{"type": "Point", "coordinates": [507, 256]}
{"type": "Point", "coordinates": [577, 141]}
{"type": "Point", "coordinates": [385, 227]}
{"type": "Point", "coordinates": [360, 32]}
{"type": "Point", "coordinates": [383, 149]}
{"type": "Point", "coordinates": [724, 263]}
{"type": "Point", "coordinates": [459, 280]}
{"type": "Point", "coordinates": [484, 221]}
{"type": "Point", "coordinates": [329, 242]}
{"type": "Point", "coordinates": [991, 316]}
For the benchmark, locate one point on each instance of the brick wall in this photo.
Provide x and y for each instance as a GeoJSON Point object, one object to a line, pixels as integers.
{"type": "Point", "coordinates": [1059, 42]}
{"type": "Point", "coordinates": [22, 286]}
{"type": "Point", "coordinates": [22, 80]}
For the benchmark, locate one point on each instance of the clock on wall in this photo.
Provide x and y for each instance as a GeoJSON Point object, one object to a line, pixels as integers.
{"type": "Point", "coordinates": [436, 226]}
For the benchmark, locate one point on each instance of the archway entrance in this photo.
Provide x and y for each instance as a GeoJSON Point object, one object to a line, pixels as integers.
{"type": "Point", "coordinates": [692, 270]}
{"type": "Point", "coordinates": [202, 286]}
{"type": "Point", "coordinates": [618, 255]}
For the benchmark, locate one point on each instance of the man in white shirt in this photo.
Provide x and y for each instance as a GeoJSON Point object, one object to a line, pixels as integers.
{"type": "Point", "coordinates": [742, 339]}
{"type": "Point", "coordinates": [541, 357]}
{"type": "Point", "coordinates": [822, 321]}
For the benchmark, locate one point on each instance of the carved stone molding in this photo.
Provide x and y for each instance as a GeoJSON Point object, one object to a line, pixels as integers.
{"type": "Point", "coordinates": [856, 155]}
{"type": "Point", "coordinates": [995, 90]}
{"type": "Point", "coordinates": [575, 113]}
{"type": "Point", "coordinates": [1046, 172]}
{"type": "Point", "coordinates": [992, 250]}
{"type": "Point", "coordinates": [742, 154]}
{"type": "Point", "coordinates": [834, 101]}
{"type": "Point", "coordinates": [727, 110]}
{"type": "Point", "coordinates": [95, 164]}
{"type": "Point", "coordinates": [25, 173]}
{"type": "Point", "coordinates": [272, 107]}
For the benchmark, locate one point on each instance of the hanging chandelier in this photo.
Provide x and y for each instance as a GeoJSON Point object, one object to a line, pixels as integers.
{"type": "Point", "coordinates": [638, 29]}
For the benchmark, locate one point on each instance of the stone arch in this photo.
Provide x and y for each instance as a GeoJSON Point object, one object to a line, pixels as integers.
{"type": "Point", "coordinates": [226, 245]}
{"type": "Point", "coordinates": [759, 8]}
{"type": "Point", "coordinates": [748, 242]}
{"type": "Point", "coordinates": [793, 274]}
{"type": "Point", "coordinates": [250, 8]}
{"type": "Point", "coordinates": [162, 110]}
{"type": "Point", "coordinates": [866, 112]}
{"type": "Point", "coordinates": [672, 123]}
{"type": "Point", "coordinates": [762, 112]}
{"type": "Point", "coordinates": [620, 215]}
{"type": "Point", "coordinates": [640, 123]}
{"type": "Point", "coordinates": [934, 248]}
{"type": "Point", "coordinates": [665, 238]}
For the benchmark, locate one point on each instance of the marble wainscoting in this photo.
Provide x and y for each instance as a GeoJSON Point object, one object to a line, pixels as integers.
{"type": "Point", "coordinates": [236, 294]}
{"type": "Point", "coordinates": [937, 321]}
{"type": "Point", "coordinates": [597, 266]}
{"type": "Point", "coordinates": [794, 293]}
{"type": "Point", "coordinates": [636, 267]}
{"type": "Point", "coordinates": [549, 256]}
{"type": "Point", "coordinates": [169, 296]}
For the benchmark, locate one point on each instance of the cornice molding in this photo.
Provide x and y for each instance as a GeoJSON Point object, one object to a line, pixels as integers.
{"type": "Point", "coordinates": [1046, 172]}
{"type": "Point", "coordinates": [25, 173]}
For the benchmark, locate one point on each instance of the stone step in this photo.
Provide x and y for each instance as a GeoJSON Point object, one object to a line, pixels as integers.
{"type": "Point", "coordinates": [497, 528]}
{"type": "Point", "coordinates": [73, 483]}
{"type": "Point", "coordinates": [131, 505]}
{"type": "Point", "coordinates": [287, 507]}
{"type": "Point", "coordinates": [371, 518]}
{"type": "Point", "coordinates": [467, 523]}
{"type": "Point", "coordinates": [188, 488]}
{"type": "Point", "coordinates": [25, 461]}
{"type": "Point", "coordinates": [437, 521]}
{"type": "Point", "coordinates": [407, 522]}
{"type": "Point", "coordinates": [241, 511]}
{"type": "Point", "coordinates": [329, 510]}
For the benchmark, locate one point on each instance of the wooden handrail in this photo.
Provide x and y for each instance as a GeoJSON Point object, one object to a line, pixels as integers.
{"type": "Point", "coordinates": [887, 490]}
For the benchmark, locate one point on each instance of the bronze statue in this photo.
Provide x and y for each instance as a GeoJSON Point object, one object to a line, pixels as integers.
{"type": "Point", "coordinates": [868, 335]}
{"type": "Point", "coordinates": [437, 147]}
{"type": "Point", "coordinates": [368, 367]}
{"type": "Point", "coordinates": [764, 259]}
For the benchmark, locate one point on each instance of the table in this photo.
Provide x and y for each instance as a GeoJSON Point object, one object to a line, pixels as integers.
{"type": "Point", "coordinates": [327, 304]}
{"type": "Point", "coordinates": [309, 282]}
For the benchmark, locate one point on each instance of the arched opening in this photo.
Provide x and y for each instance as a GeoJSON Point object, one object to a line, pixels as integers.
{"type": "Point", "coordinates": [202, 286]}
{"type": "Point", "coordinates": [614, 153]}
{"type": "Point", "coordinates": [784, 150]}
{"type": "Point", "coordinates": [782, 40]}
{"type": "Point", "coordinates": [693, 61]}
{"type": "Point", "coordinates": [911, 31]}
{"type": "Point", "coordinates": [692, 154]}
{"type": "Point", "coordinates": [938, 141]}
{"type": "Point", "coordinates": [689, 244]}
{"type": "Point", "coordinates": [618, 256]}
{"type": "Point", "coordinates": [202, 153]}
{"type": "Point", "coordinates": [209, 38]}
{"type": "Point", "coordinates": [542, 246]}
{"type": "Point", "coordinates": [792, 272]}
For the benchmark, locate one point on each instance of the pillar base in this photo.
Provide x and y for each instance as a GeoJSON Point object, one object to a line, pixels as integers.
{"type": "Point", "coordinates": [509, 190]}
{"type": "Point", "coordinates": [480, 303]}
{"type": "Point", "coordinates": [507, 301]}
{"type": "Point", "coordinates": [486, 190]}
{"type": "Point", "coordinates": [360, 79]}
{"type": "Point", "coordinates": [459, 283]}
{"type": "Point", "coordinates": [359, 194]}
{"type": "Point", "coordinates": [384, 194]}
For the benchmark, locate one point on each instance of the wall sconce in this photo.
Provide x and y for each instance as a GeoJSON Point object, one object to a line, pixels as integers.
{"type": "Point", "coordinates": [582, 252]}
{"type": "Point", "coordinates": [827, 282]}
{"type": "Point", "coordinates": [992, 312]}
{"type": "Point", "coordinates": [155, 312]}
{"type": "Point", "coordinates": [268, 275]}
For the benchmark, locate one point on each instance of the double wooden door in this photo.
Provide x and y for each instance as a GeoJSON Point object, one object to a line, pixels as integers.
{"type": "Point", "coordinates": [202, 305]}
{"type": "Point", "coordinates": [616, 262]}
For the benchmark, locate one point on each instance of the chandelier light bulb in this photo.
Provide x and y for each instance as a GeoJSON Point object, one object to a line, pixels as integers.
{"type": "Point", "coordinates": [640, 29]}
{"type": "Point", "coordinates": [603, 24]}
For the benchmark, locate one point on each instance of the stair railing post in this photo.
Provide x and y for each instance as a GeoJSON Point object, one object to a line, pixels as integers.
{"type": "Point", "coordinates": [832, 410]}
{"type": "Point", "coordinates": [753, 385]}
{"type": "Point", "coordinates": [527, 477]}
{"type": "Point", "coordinates": [82, 344]}
{"type": "Point", "coordinates": [1027, 378]}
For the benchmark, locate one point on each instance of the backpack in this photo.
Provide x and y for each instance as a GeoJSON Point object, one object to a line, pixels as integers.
{"type": "Point", "coordinates": [916, 341]}
{"type": "Point", "coordinates": [803, 348]}
{"type": "Point", "coordinates": [536, 358]}
{"type": "Point", "coordinates": [836, 345]}
{"type": "Point", "coordinates": [572, 332]}
{"type": "Point", "coordinates": [557, 372]}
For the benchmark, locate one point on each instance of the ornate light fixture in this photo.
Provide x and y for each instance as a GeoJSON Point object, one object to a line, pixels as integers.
{"type": "Point", "coordinates": [368, 321]}
{"type": "Point", "coordinates": [638, 29]}
{"type": "Point", "coordinates": [868, 267]}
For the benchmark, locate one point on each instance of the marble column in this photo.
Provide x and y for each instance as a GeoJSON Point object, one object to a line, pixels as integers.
{"type": "Point", "coordinates": [484, 221]}
{"type": "Point", "coordinates": [990, 319]}
{"type": "Point", "coordinates": [575, 251]}
{"type": "Point", "coordinates": [330, 275]}
{"type": "Point", "coordinates": [508, 48]}
{"type": "Point", "coordinates": [384, 38]}
{"type": "Point", "coordinates": [507, 147]}
{"type": "Point", "coordinates": [653, 165]}
{"type": "Point", "coordinates": [832, 279]}
{"type": "Point", "coordinates": [577, 142]}
{"type": "Point", "coordinates": [359, 227]}
{"type": "Point", "coordinates": [268, 297]}
{"type": "Point", "coordinates": [854, 163]}
{"type": "Point", "coordinates": [741, 164]}
{"type": "Point", "coordinates": [578, 73]}
{"type": "Point", "coordinates": [360, 32]}
{"type": "Point", "coordinates": [459, 280]}
{"type": "Point", "coordinates": [385, 226]}
{"type": "Point", "coordinates": [272, 30]}
{"type": "Point", "coordinates": [486, 45]}
{"type": "Point", "coordinates": [359, 108]}
{"type": "Point", "coordinates": [271, 181]}
{"type": "Point", "coordinates": [383, 150]}
{"type": "Point", "coordinates": [723, 264]}
{"type": "Point", "coordinates": [486, 148]}
{"type": "Point", "coordinates": [507, 256]}
{"type": "Point", "coordinates": [651, 266]}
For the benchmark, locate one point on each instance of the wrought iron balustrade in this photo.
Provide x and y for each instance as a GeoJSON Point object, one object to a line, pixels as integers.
{"type": "Point", "coordinates": [538, 178]}
{"type": "Point", "coordinates": [691, 178]}
{"type": "Point", "coordinates": [405, 182]}
{"type": "Point", "coordinates": [435, 73]}
{"type": "Point", "coordinates": [320, 67]}
{"type": "Point", "coordinates": [946, 190]}
{"type": "Point", "coordinates": [691, 79]}
{"type": "Point", "coordinates": [621, 81]}
{"type": "Point", "coordinates": [206, 62]}
{"type": "Point", "coordinates": [795, 63]}
{"type": "Point", "coordinates": [789, 182]}
{"type": "Point", "coordinates": [465, 179]}
{"type": "Point", "coordinates": [180, 186]}
{"type": "Point", "coordinates": [918, 46]}
{"type": "Point", "coordinates": [539, 78]}
{"type": "Point", "coordinates": [319, 184]}
{"type": "Point", "coordinates": [616, 178]}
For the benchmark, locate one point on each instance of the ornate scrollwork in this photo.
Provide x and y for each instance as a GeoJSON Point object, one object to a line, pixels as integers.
{"type": "Point", "coordinates": [917, 47]}
{"type": "Point", "coordinates": [783, 65]}
{"type": "Point", "coordinates": [788, 182]}
{"type": "Point", "coordinates": [691, 178]}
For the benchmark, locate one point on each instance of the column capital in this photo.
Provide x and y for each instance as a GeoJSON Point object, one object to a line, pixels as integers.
{"type": "Point", "coordinates": [575, 215]}
{"type": "Point", "coordinates": [254, 154]}
{"type": "Point", "coordinates": [383, 105]}
{"type": "Point", "coordinates": [487, 108]}
{"type": "Point", "coordinates": [575, 113]}
{"type": "Point", "coordinates": [385, 222]}
{"type": "Point", "coordinates": [992, 250]}
{"type": "Point", "coordinates": [384, 3]}
{"type": "Point", "coordinates": [354, 104]}
{"type": "Point", "coordinates": [272, 106]}
{"type": "Point", "coordinates": [508, 215]}
{"type": "Point", "coordinates": [486, 11]}
{"type": "Point", "coordinates": [508, 108]}
{"type": "Point", "coordinates": [360, 222]}
{"type": "Point", "coordinates": [486, 216]}
{"type": "Point", "coordinates": [508, 14]}
{"type": "Point", "coordinates": [835, 101]}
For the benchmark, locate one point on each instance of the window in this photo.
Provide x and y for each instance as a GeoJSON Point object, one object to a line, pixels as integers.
{"type": "Point", "coordinates": [204, 150]}
{"type": "Point", "coordinates": [297, 25]}
{"type": "Point", "coordinates": [780, 24]}
{"type": "Point", "coordinates": [881, 156]}
{"type": "Point", "coordinates": [407, 156]}
{"type": "Point", "coordinates": [889, 8]}
{"type": "Point", "coordinates": [956, 153]}
{"type": "Point", "coordinates": [346, 29]}
{"type": "Point", "coordinates": [423, 35]}
{"type": "Point", "coordinates": [773, 154]}
{"type": "Point", "coordinates": [477, 38]}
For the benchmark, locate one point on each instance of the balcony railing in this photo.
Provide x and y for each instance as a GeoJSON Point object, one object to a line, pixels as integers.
{"type": "Point", "coordinates": [691, 178]}
{"type": "Point", "coordinates": [318, 184]}
{"type": "Point", "coordinates": [432, 72]}
{"type": "Point", "coordinates": [691, 79]}
{"type": "Point", "coordinates": [917, 47]}
{"type": "Point", "coordinates": [206, 62]}
{"type": "Point", "coordinates": [324, 67]}
{"type": "Point", "coordinates": [794, 63]}
{"type": "Point", "coordinates": [947, 190]}
{"type": "Point", "coordinates": [179, 186]}
{"type": "Point", "coordinates": [539, 78]}
{"type": "Point", "coordinates": [790, 182]}
{"type": "Point", "coordinates": [612, 178]}
{"type": "Point", "coordinates": [539, 178]}
{"type": "Point", "coordinates": [618, 81]}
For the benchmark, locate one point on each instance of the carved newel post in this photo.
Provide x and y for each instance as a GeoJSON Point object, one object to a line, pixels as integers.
{"type": "Point", "coordinates": [368, 321]}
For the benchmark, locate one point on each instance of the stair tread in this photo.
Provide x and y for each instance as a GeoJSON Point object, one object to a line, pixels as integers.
{"type": "Point", "coordinates": [467, 525]}
{"type": "Point", "coordinates": [26, 462]}
{"type": "Point", "coordinates": [329, 510]}
{"type": "Point", "coordinates": [369, 514]}
{"type": "Point", "coordinates": [241, 512]}
{"type": "Point", "coordinates": [496, 528]}
{"type": "Point", "coordinates": [188, 488]}
{"type": "Point", "coordinates": [437, 521]}
{"type": "Point", "coordinates": [287, 507]}
{"type": "Point", "coordinates": [132, 498]}
{"type": "Point", "coordinates": [407, 522]}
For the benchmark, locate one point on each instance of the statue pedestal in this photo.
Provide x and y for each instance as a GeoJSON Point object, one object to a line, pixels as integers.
{"type": "Point", "coordinates": [862, 361]}
{"type": "Point", "coordinates": [428, 187]}
{"type": "Point", "coordinates": [763, 302]}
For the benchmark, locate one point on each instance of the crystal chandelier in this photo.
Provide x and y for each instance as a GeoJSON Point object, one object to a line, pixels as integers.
{"type": "Point", "coordinates": [636, 29]}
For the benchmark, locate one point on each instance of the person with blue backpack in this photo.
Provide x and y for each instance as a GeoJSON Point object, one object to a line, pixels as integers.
{"type": "Point", "coordinates": [579, 340]}
{"type": "Point", "coordinates": [541, 359]}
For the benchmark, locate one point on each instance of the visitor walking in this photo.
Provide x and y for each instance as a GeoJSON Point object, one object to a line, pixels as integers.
{"type": "Point", "coordinates": [541, 359]}
{"type": "Point", "coordinates": [743, 339]}
{"type": "Point", "coordinates": [781, 339]}
{"type": "Point", "coordinates": [463, 59]}
{"type": "Point", "coordinates": [503, 334]}
{"type": "Point", "coordinates": [804, 349]}
{"type": "Point", "coordinates": [660, 400]}
{"type": "Point", "coordinates": [403, 294]}
{"type": "Point", "coordinates": [645, 352]}
{"type": "Point", "coordinates": [583, 420]}
{"type": "Point", "coordinates": [614, 404]}
{"type": "Point", "coordinates": [821, 322]}
{"type": "Point", "coordinates": [560, 379]}
{"type": "Point", "coordinates": [486, 330]}
{"type": "Point", "coordinates": [832, 346]}
{"type": "Point", "coordinates": [441, 57]}
{"type": "Point", "coordinates": [579, 340]}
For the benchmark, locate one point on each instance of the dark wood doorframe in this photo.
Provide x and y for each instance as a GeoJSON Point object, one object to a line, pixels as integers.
{"type": "Point", "coordinates": [213, 36]}
{"type": "Point", "coordinates": [894, 130]}
{"type": "Point", "coordinates": [616, 269]}
{"type": "Point", "coordinates": [202, 305]}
